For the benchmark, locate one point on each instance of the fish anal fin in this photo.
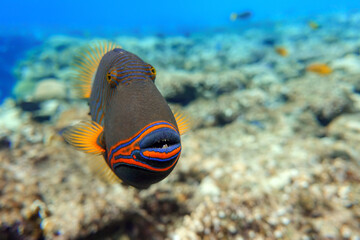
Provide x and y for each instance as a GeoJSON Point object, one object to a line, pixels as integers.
{"type": "Point", "coordinates": [86, 136]}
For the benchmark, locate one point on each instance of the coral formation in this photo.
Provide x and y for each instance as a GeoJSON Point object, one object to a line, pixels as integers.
{"type": "Point", "coordinates": [273, 154]}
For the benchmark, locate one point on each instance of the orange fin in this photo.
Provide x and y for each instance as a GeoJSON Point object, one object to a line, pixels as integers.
{"type": "Point", "coordinates": [86, 64]}
{"type": "Point", "coordinates": [182, 121]}
{"type": "Point", "coordinates": [102, 169]}
{"type": "Point", "coordinates": [86, 137]}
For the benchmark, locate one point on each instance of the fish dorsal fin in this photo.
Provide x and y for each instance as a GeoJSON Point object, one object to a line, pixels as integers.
{"type": "Point", "coordinates": [99, 166]}
{"type": "Point", "coordinates": [182, 121]}
{"type": "Point", "coordinates": [86, 64]}
{"type": "Point", "coordinates": [86, 136]}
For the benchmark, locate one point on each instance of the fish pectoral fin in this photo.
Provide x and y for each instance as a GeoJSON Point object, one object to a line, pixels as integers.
{"type": "Point", "coordinates": [183, 121]}
{"type": "Point", "coordinates": [100, 168]}
{"type": "Point", "coordinates": [86, 136]}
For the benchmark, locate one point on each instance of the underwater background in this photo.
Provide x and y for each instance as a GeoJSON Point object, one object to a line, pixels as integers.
{"type": "Point", "coordinates": [272, 89]}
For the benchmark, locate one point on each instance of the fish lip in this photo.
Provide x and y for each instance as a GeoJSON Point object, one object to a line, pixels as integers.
{"type": "Point", "coordinates": [151, 140]}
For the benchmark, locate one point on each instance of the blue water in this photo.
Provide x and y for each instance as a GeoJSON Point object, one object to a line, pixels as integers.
{"type": "Point", "coordinates": [24, 24]}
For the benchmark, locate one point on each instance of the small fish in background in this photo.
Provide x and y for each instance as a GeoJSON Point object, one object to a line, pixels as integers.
{"type": "Point", "coordinates": [131, 125]}
{"type": "Point", "coordinates": [282, 51]}
{"type": "Point", "coordinates": [319, 68]}
{"type": "Point", "coordinates": [269, 42]}
{"type": "Point", "coordinates": [240, 16]}
{"type": "Point", "coordinates": [313, 25]}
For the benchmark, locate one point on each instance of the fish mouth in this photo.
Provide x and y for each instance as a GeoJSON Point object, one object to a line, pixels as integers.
{"type": "Point", "coordinates": [152, 158]}
{"type": "Point", "coordinates": [163, 138]}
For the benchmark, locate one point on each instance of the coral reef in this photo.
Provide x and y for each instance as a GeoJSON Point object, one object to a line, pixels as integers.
{"type": "Point", "coordinates": [273, 153]}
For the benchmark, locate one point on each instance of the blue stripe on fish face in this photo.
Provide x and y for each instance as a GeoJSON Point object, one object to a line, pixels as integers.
{"type": "Point", "coordinates": [154, 148]}
{"type": "Point", "coordinates": [118, 74]}
{"type": "Point", "coordinates": [125, 144]}
{"type": "Point", "coordinates": [153, 162]}
{"type": "Point", "coordinates": [98, 114]}
{"type": "Point", "coordinates": [127, 67]}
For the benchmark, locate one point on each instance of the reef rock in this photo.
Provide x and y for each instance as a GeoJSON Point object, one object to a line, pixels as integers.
{"type": "Point", "coordinates": [50, 89]}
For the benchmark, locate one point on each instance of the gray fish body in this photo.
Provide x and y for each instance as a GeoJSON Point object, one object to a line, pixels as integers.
{"type": "Point", "coordinates": [124, 108]}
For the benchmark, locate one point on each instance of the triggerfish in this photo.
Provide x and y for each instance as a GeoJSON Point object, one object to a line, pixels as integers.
{"type": "Point", "coordinates": [131, 125]}
{"type": "Point", "coordinates": [240, 16]}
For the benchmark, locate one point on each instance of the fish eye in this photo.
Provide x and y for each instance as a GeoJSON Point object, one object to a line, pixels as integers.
{"type": "Point", "coordinates": [111, 78]}
{"type": "Point", "coordinates": [152, 73]}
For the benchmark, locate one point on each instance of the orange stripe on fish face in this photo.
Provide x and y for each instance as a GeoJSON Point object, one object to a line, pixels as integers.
{"type": "Point", "coordinates": [148, 156]}
{"type": "Point", "coordinates": [144, 149]}
{"type": "Point", "coordinates": [162, 155]}
{"type": "Point", "coordinates": [135, 162]}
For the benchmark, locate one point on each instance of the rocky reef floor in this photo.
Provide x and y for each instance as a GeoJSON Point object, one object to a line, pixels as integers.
{"type": "Point", "coordinates": [273, 152]}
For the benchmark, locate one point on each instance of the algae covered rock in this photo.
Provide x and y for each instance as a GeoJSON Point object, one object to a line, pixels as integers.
{"type": "Point", "coordinates": [50, 89]}
{"type": "Point", "coordinates": [346, 127]}
{"type": "Point", "coordinates": [326, 97]}
{"type": "Point", "coordinates": [50, 61]}
{"type": "Point", "coordinates": [350, 64]}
